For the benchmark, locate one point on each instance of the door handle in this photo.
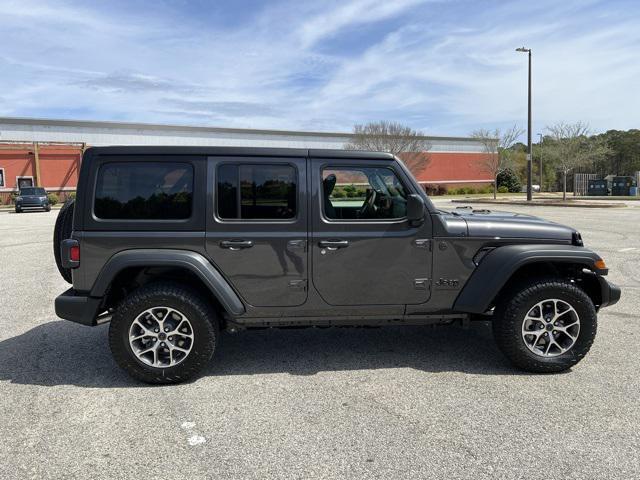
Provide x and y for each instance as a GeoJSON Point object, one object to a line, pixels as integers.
{"type": "Point", "coordinates": [333, 244]}
{"type": "Point", "coordinates": [236, 244]}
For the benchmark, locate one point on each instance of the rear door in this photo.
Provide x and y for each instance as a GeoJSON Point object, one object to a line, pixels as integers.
{"type": "Point", "coordinates": [257, 229]}
{"type": "Point", "coordinates": [364, 251]}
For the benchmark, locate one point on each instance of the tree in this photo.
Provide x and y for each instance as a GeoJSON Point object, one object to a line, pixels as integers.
{"type": "Point", "coordinates": [625, 153]}
{"type": "Point", "coordinates": [392, 137]}
{"type": "Point", "coordinates": [571, 147]}
{"type": "Point", "coordinates": [508, 178]}
{"type": "Point", "coordinates": [497, 147]}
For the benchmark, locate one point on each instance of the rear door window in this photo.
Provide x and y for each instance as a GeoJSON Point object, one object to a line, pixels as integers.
{"type": "Point", "coordinates": [256, 192]}
{"type": "Point", "coordinates": [144, 191]}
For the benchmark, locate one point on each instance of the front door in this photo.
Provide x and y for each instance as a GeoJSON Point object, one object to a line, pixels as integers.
{"type": "Point", "coordinates": [364, 250]}
{"type": "Point", "coordinates": [257, 232]}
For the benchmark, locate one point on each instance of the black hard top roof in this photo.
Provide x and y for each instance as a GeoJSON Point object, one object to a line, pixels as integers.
{"type": "Point", "coordinates": [237, 152]}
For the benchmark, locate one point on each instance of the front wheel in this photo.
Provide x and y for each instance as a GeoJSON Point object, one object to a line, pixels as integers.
{"type": "Point", "coordinates": [545, 327]}
{"type": "Point", "coordinates": [163, 333]}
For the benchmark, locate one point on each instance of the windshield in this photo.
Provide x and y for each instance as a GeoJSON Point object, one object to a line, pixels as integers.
{"type": "Point", "coordinates": [32, 191]}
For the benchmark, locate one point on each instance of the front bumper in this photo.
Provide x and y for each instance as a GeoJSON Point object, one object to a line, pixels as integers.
{"type": "Point", "coordinates": [609, 292]}
{"type": "Point", "coordinates": [78, 308]}
{"type": "Point", "coordinates": [24, 204]}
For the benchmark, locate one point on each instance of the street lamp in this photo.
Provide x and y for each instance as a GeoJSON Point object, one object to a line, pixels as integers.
{"type": "Point", "coordinates": [540, 159]}
{"type": "Point", "coordinates": [529, 166]}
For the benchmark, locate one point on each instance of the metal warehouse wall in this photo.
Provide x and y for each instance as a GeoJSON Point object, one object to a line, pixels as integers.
{"type": "Point", "coordinates": [121, 133]}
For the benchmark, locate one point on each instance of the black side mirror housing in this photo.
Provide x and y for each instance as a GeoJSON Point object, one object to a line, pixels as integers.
{"type": "Point", "coordinates": [415, 210]}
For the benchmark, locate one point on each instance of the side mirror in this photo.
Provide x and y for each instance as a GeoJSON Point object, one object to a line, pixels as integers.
{"type": "Point", "coordinates": [415, 210]}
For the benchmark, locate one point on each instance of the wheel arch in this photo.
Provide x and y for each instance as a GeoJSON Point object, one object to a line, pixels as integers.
{"type": "Point", "coordinates": [138, 265]}
{"type": "Point", "coordinates": [509, 264]}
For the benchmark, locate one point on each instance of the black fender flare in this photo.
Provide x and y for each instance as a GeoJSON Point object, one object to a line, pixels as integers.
{"type": "Point", "coordinates": [192, 261]}
{"type": "Point", "coordinates": [497, 266]}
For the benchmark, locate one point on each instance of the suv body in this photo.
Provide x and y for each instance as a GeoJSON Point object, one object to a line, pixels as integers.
{"type": "Point", "coordinates": [289, 237]}
{"type": "Point", "coordinates": [31, 198]}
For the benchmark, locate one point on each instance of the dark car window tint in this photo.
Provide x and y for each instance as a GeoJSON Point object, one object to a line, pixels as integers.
{"type": "Point", "coordinates": [363, 194]}
{"type": "Point", "coordinates": [257, 192]}
{"type": "Point", "coordinates": [144, 191]}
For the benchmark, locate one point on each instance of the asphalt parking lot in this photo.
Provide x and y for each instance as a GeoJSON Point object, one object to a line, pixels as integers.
{"type": "Point", "coordinates": [331, 403]}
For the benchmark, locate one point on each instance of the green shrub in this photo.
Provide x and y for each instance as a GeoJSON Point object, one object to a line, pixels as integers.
{"type": "Point", "coordinates": [350, 193]}
{"type": "Point", "coordinates": [508, 178]}
{"type": "Point", "coordinates": [71, 196]}
{"type": "Point", "coordinates": [349, 188]}
{"type": "Point", "coordinates": [53, 198]}
{"type": "Point", "coordinates": [361, 193]}
{"type": "Point", "coordinates": [338, 194]}
{"type": "Point", "coordinates": [503, 189]}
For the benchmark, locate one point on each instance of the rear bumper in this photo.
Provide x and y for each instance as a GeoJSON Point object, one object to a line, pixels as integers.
{"type": "Point", "coordinates": [78, 308]}
{"type": "Point", "coordinates": [609, 292]}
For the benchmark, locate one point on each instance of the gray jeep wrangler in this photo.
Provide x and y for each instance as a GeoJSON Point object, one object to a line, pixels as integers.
{"type": "Point", "coordinates": [172, 245]}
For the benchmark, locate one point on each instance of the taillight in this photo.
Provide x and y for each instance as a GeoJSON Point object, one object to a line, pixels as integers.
{"type": "Point", "coordinates": [74, 253]}
{"type": "Point", "coordinates": [70, 253]}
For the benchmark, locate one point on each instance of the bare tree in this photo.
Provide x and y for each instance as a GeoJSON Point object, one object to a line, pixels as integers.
{"type": "Point", "coordinates": [392, 137]}
{"type": "Point", "coordinates": [496, 145]}
{"type": "Point", "coordinates": [571, 147]}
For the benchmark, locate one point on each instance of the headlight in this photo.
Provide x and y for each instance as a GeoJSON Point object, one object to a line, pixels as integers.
{"type": "Point", "coordinates": [43, 199]}
{"type": "Point", "coordinates": [18, 199]}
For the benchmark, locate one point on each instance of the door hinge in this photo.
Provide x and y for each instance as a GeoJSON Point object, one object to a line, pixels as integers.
{"type": "Point", "coordinates": [422, 243]}
{"type": "Point", "coordinates": [421, 283]}
{"type": "Point", "coordinates": [298, 284]}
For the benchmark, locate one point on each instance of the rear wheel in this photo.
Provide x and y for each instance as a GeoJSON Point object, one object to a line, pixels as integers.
{"type": "Point", "coordinates": [62, 231]}
{"type": "Point", "coordinates": [545, 327]}
{"type": "Point", "coordinates": [163, 333]}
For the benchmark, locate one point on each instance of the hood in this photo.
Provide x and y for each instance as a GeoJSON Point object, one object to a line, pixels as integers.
{"type": "Point", "coordinates": [488, 223]}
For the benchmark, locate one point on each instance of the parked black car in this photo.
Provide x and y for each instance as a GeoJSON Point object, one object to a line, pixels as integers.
{"type": "Point", "coordinates": [172, 245]}
{"type": "Point", "coordinates": [32, 198]}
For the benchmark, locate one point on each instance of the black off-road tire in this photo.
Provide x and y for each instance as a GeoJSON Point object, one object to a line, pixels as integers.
{"type": "Point", "coordinates": [62, 231]}
{"type": "Point", "coordinates": [18, 210]}
{"type": "Point", "coordinates": [201, 315]}
{"type": "Point", "coordinates": [510, 314]}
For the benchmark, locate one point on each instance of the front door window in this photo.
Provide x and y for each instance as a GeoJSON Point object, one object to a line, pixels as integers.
{"type": "Point", "coordinates": [363, 194]}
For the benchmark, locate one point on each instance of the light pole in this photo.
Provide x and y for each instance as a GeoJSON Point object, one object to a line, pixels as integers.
{"type": "Point", "coordinates": [541, 137]}
{"type": "Point", "coordinates": [529, 165]}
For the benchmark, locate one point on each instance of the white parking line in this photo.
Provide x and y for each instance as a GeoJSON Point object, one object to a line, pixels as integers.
{"type": "Point", "coordinates": [628, 249]}
{"type": "Point", "coordinates": [196, 440]}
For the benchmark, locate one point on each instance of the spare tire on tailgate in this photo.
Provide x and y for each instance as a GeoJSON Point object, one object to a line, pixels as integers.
{"type": "Point", "coordinates": [62, 231]}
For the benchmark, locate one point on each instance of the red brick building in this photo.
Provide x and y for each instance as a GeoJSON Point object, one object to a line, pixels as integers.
{"type": "Point", "coordinates": [47, 153]}
{"type": "Point", "coordinates": [52, 166]}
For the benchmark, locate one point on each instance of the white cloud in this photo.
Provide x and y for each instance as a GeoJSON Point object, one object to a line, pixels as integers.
{"type": "Point", "coordinates": [445, 68]}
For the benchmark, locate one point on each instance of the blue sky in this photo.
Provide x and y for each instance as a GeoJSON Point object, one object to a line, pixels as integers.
{"type": "Point", "coordinates": [442, 67]}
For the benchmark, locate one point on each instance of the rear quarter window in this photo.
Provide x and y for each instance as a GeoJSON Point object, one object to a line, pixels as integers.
{"type": "Point", "coordinates": [144, 191]}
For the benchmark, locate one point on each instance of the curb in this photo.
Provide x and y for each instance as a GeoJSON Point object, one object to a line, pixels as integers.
{"type": "Point", "coordinates": [543, 203]}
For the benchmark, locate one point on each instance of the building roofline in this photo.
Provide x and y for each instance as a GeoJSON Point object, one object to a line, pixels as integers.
{"type": "Point", "coordinates": [189, 128]}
